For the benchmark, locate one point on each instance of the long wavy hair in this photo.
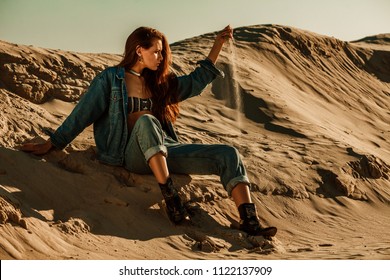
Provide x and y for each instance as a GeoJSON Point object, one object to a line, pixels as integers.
{"type": "Point", "coordinates": [161, 82]}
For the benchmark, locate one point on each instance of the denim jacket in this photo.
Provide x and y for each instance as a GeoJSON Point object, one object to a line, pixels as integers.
{"type": "Point", "coordinates": [105, 106]}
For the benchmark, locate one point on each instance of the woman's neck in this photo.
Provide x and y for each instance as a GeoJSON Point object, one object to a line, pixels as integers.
{"type": "Point", "coordinates": [138, 68]}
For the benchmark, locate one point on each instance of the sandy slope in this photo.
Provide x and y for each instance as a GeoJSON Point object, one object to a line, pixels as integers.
{"type": "Point", "coordinates": [308, 113]}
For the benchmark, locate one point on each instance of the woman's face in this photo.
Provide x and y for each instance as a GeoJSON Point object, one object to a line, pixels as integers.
{"type": "Point", "coordinates": [152, 57]}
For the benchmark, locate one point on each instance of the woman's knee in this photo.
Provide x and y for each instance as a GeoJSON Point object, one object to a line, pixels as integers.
{"type": "Point", "coordinates": [147, 120]}
{"type": "Point", "coordinates": [147, 124]}
{"type": "Point", "coordinates": [230, 154]}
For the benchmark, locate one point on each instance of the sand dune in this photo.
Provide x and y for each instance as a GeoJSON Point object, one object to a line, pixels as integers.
{"type": "Point", "coordinates": [308, 113]}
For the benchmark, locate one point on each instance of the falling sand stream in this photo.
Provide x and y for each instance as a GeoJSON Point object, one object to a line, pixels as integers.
{"type": "Point", "coordinates": [232, 94]}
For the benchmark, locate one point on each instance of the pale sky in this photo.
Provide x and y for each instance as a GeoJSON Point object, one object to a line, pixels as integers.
{"type": "Point", "coordinates": [103, 25]}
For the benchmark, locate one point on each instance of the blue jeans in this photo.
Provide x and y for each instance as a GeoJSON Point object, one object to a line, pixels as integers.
{"type": "Point", "coordinates": [148, 138]}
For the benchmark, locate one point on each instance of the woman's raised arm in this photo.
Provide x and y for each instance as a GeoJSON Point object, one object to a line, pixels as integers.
{"type": "Point", "coordinates": [222, 37]}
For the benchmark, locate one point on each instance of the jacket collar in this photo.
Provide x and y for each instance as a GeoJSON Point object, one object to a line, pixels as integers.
{"type": "Point", "coordinates": [120, 72]}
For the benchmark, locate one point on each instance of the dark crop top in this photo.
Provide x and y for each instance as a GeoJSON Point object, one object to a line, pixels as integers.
{"type": "Point", "coordinates": [137, 104]}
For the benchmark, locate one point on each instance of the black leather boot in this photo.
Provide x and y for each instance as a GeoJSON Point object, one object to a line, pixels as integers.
{"type": "Point", "coordinates": [250, 222]}
{"type": "Point", "coordinates": [175, 208]}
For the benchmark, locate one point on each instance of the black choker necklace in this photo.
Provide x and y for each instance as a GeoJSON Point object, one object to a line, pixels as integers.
{"type": "Point", "coordinates": [131, 71]}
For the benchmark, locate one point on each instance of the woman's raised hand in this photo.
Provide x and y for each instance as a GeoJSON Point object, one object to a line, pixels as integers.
{"type": "Point", "coordinates": [225, 34]}
{"type": "Point", "coordinates": [222, 37]}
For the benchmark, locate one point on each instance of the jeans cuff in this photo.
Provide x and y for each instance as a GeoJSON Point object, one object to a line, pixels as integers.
{"type": "Point", "coordinates": [233, 183]}
{"type": "Point", "coordinates": [154, 150]}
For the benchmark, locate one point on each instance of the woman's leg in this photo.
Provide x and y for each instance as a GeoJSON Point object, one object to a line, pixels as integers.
{"type": "Point", "coordinates": [241, 194]}
{"type": "Point", "coordinates": [206, 159]}
{"type": "Point", "coordinates": [158, 165]}
{"type": "Point", "coordinates": [225, 161]}
{"type": "Point", "coordinates": [145, 154]}
{"type": "Point", "coordinates": [146, 142]}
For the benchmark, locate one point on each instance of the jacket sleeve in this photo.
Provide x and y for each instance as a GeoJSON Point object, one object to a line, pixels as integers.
{"type": "Point", "coordinates": [90, 107]}
{"type": "Point", "coordinates": [194, 83]}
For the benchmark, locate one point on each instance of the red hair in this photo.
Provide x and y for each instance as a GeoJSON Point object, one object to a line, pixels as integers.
{"type": "Point", "coordinates": [161, 82]}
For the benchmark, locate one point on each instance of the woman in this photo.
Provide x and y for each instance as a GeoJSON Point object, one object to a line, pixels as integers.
{"type": "Point", "coordinates": [133, 106]}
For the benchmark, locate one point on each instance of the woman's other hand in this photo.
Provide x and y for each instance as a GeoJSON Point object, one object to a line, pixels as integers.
{"type": "Point", "coordinates": [37, 149]}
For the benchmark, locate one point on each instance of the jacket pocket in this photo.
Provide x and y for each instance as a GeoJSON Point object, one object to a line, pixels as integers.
{"type": "Point", "coordinates": [116, 102]}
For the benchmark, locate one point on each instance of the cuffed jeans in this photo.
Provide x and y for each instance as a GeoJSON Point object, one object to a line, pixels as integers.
{"type": "Point", "coordinates": [148, 138]}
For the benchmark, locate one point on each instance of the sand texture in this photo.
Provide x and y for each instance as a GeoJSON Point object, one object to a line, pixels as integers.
{"type": "Point", "coordinates": [308, 113]}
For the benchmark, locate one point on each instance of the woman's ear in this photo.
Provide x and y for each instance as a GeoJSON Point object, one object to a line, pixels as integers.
{"type": "Point", "coordinates": [138, 50]}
